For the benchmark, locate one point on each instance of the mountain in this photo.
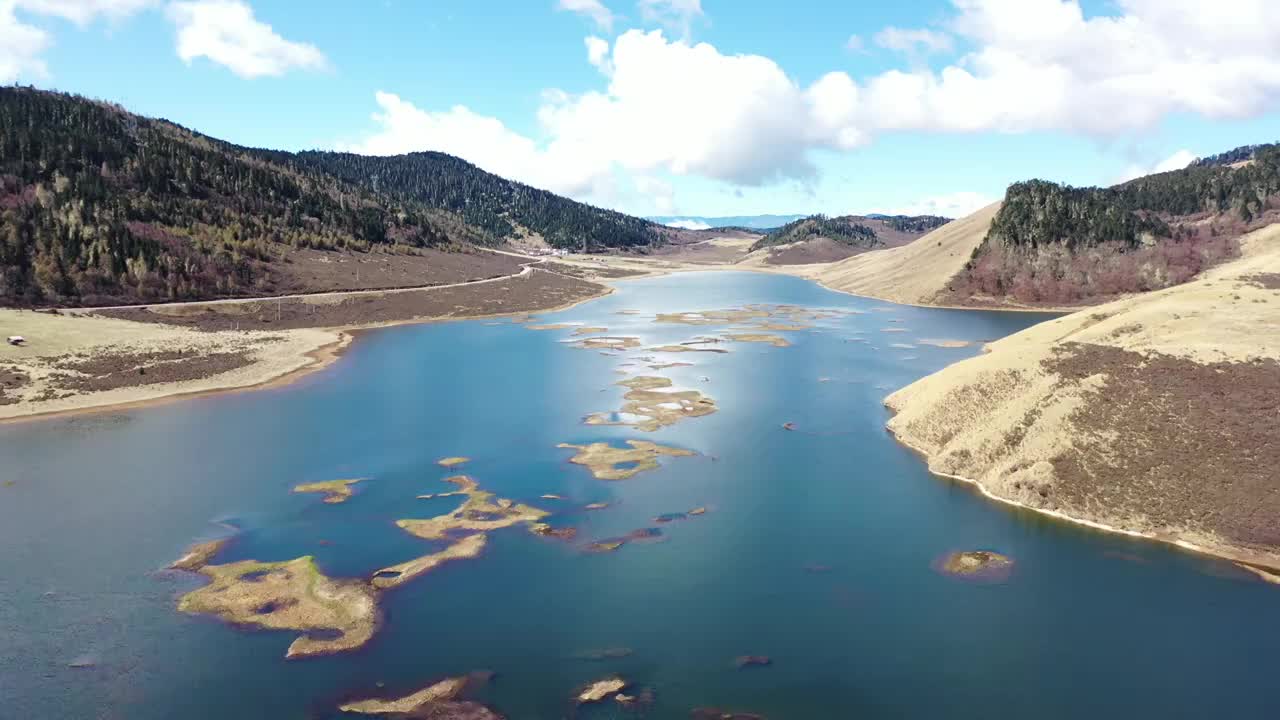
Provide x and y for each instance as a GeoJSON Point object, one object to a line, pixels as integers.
{"type": "Point", "coordinates": [914, 273]}
{"type": "Point", "coordinates": [1048, 244]}
{"type": "Point", "coordinates": [504, 208]}
{"type": "Point", "coordinates": [751, 222]}
{"type": "Point", "coordinates": [855, 231]}
{"type": "Point", "coordinates": [1056, 244]}
{"type": "Point", "coordinates": [843, 230]}
{"type": "Point", "coordinates": [100, 206]}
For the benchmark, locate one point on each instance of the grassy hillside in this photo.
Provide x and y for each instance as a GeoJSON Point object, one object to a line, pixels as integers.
{"type": "Point", "coordinates": [916, 272]}
{"type": "Point", "coordinates": [98, 206]}
{"type": "Point", "coordinates": [1153, 413]}
{"type": "Point", "coordinates": [1058, 244]}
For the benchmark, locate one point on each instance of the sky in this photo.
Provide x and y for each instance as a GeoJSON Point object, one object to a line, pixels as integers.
{"type": "Point", "coordinates": [692, 107]}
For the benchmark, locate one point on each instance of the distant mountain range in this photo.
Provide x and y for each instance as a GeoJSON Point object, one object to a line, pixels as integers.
{"type": "Point", "coordinates": [700, 222]}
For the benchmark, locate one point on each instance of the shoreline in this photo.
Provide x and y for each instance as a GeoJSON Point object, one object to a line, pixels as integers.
{"type": "Point", "coordinates": [1266, 568]}
{"type": "Point", "coordinates": [318, 358]}
{"type": "Point", "coordinates": [764, 270]}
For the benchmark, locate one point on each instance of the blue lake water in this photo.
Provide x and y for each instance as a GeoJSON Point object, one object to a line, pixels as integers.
{"type": "Point", "coordinates": [1089, 624]}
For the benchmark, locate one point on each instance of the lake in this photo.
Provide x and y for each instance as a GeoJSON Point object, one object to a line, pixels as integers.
{"type": "Point", "coordinates": [817, 549]}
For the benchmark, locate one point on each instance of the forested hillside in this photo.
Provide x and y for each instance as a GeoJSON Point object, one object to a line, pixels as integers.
{"type": "Point", "coordinates": [916, 224]}
{"type": "Point", "coordinates": [844, 230]}
{"type": "Point", "coordinates": [1244, 153]}
{"type": "Point", "coordinates": [853, 231]}
{"type": "Point", "coordinates": [1059, 244]}
{"type": "Point", "coordinates": [98, 205]}
{"type": "Point", "coordinates": [499, 206]}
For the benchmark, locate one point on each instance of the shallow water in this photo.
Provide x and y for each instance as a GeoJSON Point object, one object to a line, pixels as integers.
{"type": "Point", "coordinates": [816, 551]}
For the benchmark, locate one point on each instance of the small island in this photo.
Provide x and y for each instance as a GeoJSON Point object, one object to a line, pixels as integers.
{"type": "Point", "coordinates": [548, 530]}
{"type": "Point", "coordinates": [604, 546]}
{"type": "Point", "coordinates": [774, 340]}
{"type": "Point", "coordinates": [199, 555]}
{"type": "Point", "coordinates": [606, 342]}
{"type": "Point", "coordinates": [601, 689]}
{"type": "Point", "coordinates": [712, 317]}
{"type": "Point", "coordinates": [976, 565]}
{"type": "Point", "coordinates": [468, 547]}
{"type": "Point", "coordinates": [480, 512]}
{"type": "Point", "coordinates": [334, 615]}
{"type": "Point", "coordinates": [452, 462]}
{"type": "Point", "coordinates": [606, 461]}
{"type": "Point", "coordinates": [649, 406]}
{"type": "Point", "coordinates": [444, 690]}
{"type": "Point", "coordinates": [335, 491]}
{"type": "Point", "coordinates": [682, 348]}
{"type": "Point", "coordinates": [439, 700]}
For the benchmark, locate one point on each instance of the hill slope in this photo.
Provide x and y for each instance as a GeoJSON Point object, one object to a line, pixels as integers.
{"type": "Point", "coordinates": [1058, 245]}
{"type": "Point", "coordinates": [101, 206]}
{"type": "Point", "coordinates": [855, 231]}
{"type": "Point", "coordinates": [915, 273]}
{"type": "Point", "coordinates": [1153, 414]}
{"type": "Point", "coordinates": [1054, 245]}
{"type": "Point", "coordinates": [502, 207]}
{"type": "Point", "coordinates": [843, 230]}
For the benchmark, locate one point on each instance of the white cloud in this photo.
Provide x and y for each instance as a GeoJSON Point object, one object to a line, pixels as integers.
{"type": "Point", "coordinates": [660, 193]}
{"type": "Point", "coordinates": [688, 224]}
{"type": "Point", "coordinates": [952, 205]}
{"type": "Point", "coordinates": [20, 48]}
{"type": "Point", "coordinates": [913, 42]}
{"type": "Point", "coordinates": [226, 32]}
{"type": "Point", "coordinates": [1042, 65]}
{"type": "Point", "coordinates": [668, 106]}
{"type": "Point", "coordinates": [672, 108]}
{"type": "Point", "coordinates": [22, 44]}
{"type": "Point", "coordinates": [82, 12]}
{"type": "Point", "coordinates": [855, 43]}
{"type": "Point", "coordinates": [598, 13]}
{"type": "Point", "coordinates": [485, 141]}
{"type": "Point", "coordinates": [1176, 161]}
{"type": "Point", "coordinates": [675, 15]}
{"type": "Point", "coordinates": [598, 53]}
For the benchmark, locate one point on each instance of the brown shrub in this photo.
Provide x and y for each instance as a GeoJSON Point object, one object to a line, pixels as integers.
{"type": "Point", "coordinates": [1197, 445]}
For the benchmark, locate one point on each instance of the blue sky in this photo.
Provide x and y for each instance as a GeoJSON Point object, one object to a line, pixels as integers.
{"type": "Point", "coordinates": [710, 107]}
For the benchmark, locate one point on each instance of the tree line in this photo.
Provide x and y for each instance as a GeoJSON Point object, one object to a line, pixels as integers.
{"type": "Point", "coordinates": [98, 205]}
